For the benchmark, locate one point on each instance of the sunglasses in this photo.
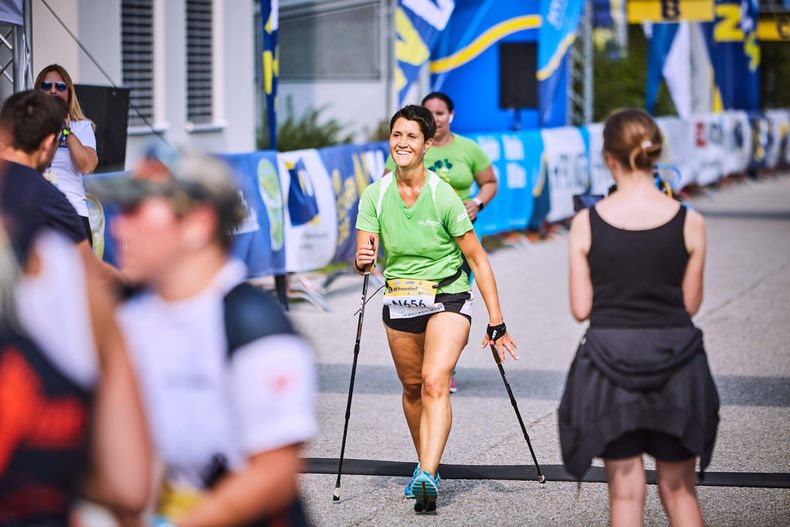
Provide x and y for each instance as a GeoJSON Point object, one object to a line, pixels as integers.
{"type": "Point", "coordinates": [47, 86]}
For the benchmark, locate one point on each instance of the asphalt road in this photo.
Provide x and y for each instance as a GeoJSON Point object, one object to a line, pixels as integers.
{"type": "Point", "coordinates": [746, 320]}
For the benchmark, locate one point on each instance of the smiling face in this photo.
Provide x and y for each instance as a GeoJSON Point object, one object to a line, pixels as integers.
{"type": "Point", "coordinates": [407, 143]}
{"type": "Point", "coordinates": [441, 114]}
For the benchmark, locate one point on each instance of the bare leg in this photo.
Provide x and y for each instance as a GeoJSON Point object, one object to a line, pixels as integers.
{"type": "Point", "coordinates": [445, 338]}
{"type": "Point", "coordinates": [626, 479]}
{"type": "Point", "coordinates": [407, 354]}
{"type": "Point", "coordinates": [676, 481]}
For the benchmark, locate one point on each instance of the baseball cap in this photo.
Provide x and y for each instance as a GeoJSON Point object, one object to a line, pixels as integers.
{"type": "Point", "coordinates": [185, 179]}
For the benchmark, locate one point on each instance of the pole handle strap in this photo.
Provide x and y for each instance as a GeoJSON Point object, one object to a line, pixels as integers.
{"type": "Point", "coordinates": [496, 332]}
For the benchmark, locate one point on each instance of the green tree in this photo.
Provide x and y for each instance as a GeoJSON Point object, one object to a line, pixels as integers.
{"type": "Point", "coordinates": [621, 82]}
{"type": "Point", "coordinates": [306, 131]}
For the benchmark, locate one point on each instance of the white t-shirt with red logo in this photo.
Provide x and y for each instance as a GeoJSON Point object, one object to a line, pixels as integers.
{"type": "Point", "coordinates": [202, 402]}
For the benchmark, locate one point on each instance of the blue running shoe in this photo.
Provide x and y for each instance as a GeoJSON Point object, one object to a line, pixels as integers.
{"type": "Point", "coordinates": [425, 492]}
{"type": "Point", "coordinates": [407, 492]}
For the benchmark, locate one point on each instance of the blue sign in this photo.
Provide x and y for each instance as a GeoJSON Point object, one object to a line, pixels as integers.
{"type": "Point", "coordinates": [516, 160]}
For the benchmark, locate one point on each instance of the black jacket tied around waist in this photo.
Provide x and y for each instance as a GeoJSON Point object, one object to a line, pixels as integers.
{"type": "Point", "coordinates": [637, 379]}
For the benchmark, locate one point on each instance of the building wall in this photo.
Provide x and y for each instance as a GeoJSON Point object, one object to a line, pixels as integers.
{"type": "Point", "coordinates": [360, 104]}
{"type": "Point", "coordinates": [97, 24]}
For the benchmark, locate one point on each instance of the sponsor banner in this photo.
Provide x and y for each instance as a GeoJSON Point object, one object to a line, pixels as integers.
{"type": "Point", "coordinates": [567, 169]}
{"type": "Point", "coordinates": [515, 159]}
{"type": "Point", "coordinates": [776, 154]}
{"type": "Point", "coordinates": [351, 168]}
{"type": "Point", "coordinates": [678, 147]}
{"type": "Point", "coordinates": [738, 143]}
{"type": "Point", "coordinates": [309, 245]}
{"type": "Point", "coordinates": [259, 240]}
{"type": "Point", "coordinates": [709, 147]}
{"type": "Point", "coordinates": [762, 139]}
{"type": "Point", "coordinates": [600, 177]}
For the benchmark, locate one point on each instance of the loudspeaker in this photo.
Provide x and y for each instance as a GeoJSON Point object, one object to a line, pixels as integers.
{"type": "Point", "coordinates": [518, 84]}
{"type": "Point", "coordinates": [108, 108]}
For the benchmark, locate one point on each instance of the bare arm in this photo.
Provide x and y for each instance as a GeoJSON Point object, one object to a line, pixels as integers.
{"type": "Point", "coordinates": [366, 254]}
{"type": "Point", "coordinates": [83, 157]}
{"type": "Point", "coordinates": [487, 183]}
{"type": "Point", "coordinates": [694, 235]}
{"type": "Point", "coordinates": [484, 275]}
{"type": "Point", "coordinates": [580, 284]}
{"type": "Point", "coordinates": [267, 485]}
{"type": "Point", "coordinates": [119, 473]}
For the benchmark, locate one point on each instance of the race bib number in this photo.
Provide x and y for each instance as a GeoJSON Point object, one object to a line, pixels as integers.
{"type": "Point", "coordinates": [411, 298]}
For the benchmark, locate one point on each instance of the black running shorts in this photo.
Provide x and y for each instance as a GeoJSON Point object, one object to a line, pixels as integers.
{"type": "Point", "coordinates": [460, 303]}
{"type": "Point", "coordinates": [661, 446]}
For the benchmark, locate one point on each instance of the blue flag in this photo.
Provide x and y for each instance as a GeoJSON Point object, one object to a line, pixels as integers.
{"type": "Point", "coordinates": [735, 53]}
{"type": "Point", "coordinates": [556, 35]}
{"type": "Point", "coordinates": [271, 64]}
{"type": "Point", "coordinates": [418, 24]}
{"type": "Point", "coordinates": [660, 43]}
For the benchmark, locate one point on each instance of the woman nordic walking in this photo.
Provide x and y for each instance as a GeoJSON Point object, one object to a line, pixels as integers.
{"type": "Point", "coordinates": [459, 161]}
{"type": "Point", "coordinates": [424, 228]}
{"type": "Point", "coordinates": [640, 382]}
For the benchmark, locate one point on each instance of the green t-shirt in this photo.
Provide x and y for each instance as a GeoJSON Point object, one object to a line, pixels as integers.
{"type": "Point", "coordinates": [418, 241]}
{"type": "Point", "coordinates": [456, 163]}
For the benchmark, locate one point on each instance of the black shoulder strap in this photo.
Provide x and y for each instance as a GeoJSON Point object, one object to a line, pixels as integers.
{"type": "Point", "coordinates": [251, 314]}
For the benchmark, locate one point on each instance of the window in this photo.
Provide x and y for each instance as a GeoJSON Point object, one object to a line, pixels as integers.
{"type": "Point", "coordinates": [326, 41]}
{"type": "Point", "coordinates": [137, 56]}
{"type": "Point", "coordinates": [200, 68]}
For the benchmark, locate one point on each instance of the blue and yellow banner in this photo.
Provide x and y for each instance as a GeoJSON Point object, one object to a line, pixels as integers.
{"type": "Point", "coordinates": [556, 36]}
{"type": "Point", "coordinates": [260, 239]}
{"type": "Point", "coordinates": [270, 13]}
{"type": "Point", "coordinates": [735, 53]}
{"type": "Point", "coordinates": [465, 62]}
{"type": "Point", "coordinates": [773, 27]}
{"type": "Point", "coordinates": [418, 24]}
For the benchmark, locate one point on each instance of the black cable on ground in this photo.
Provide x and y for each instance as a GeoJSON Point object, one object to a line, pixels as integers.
{"type": "Point", "coordinates": [372, 467]}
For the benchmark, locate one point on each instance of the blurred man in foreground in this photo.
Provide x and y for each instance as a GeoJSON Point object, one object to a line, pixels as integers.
{"type": "Point", "coordinates": [228, 383]}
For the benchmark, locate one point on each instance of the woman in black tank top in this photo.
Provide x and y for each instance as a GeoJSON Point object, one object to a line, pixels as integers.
{"type": "Point", "coordinates": [640, 382]}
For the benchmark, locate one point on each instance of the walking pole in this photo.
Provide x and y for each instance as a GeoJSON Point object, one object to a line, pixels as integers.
{"type": "Point", "coordinates": [541, 477]}
{"type": "Point", "coordinates": [336, 496]}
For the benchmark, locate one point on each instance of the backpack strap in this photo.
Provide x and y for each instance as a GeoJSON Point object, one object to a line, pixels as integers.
{"type": "Point", "coordinates": [386, 181]}
{"type": "Point", "coordinates": [251, 314]}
